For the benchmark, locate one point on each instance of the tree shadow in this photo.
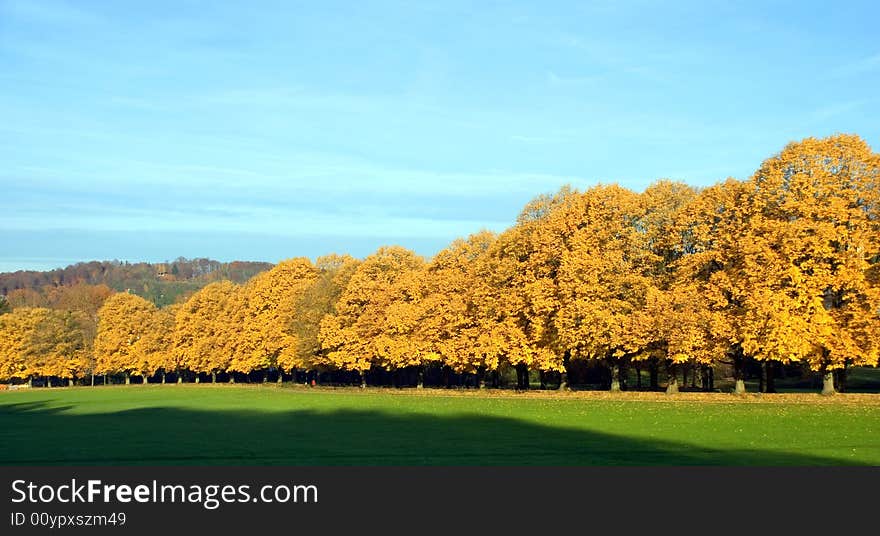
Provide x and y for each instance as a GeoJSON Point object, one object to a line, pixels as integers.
{"type": "Point", "coordinates": [36, 434]}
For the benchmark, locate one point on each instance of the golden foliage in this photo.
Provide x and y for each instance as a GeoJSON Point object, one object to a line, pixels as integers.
{"type": "Point", "coordinates": [317, 300]}
{"type": "Point", "coordinates": [810, 247]}
{"type": "Point", "coordinates": [36, 341]}
{"type": "Point", "coordinates": [202, 329]}
{"type": "Point", "coordinates": [123, 321]}
{"type": "Point", "coordinates": [375, 315]}
{"type": "Point", "coordinates": [263, 312]}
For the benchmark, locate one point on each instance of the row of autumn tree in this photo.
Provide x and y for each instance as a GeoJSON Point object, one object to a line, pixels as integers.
{"type": "Point", "coordinates": [783, 267]}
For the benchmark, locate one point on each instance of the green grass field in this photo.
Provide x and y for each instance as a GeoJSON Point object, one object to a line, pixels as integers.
{"type": "Point", "coordinates": [205, 425]}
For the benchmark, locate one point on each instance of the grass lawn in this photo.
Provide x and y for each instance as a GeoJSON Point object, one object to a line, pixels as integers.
{"type": "Point", "coordinates": [203, 425]}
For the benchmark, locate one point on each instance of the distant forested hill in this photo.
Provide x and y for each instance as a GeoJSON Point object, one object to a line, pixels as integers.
{"type": "Point", "coordinates": [161, 283]}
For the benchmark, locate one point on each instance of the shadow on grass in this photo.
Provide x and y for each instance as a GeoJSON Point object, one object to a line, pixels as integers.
{"type": "Point", "coordinates": [35, 434]}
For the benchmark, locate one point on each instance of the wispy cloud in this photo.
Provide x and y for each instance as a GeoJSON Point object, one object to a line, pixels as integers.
{"type": "Point", "coordinates": [319, 174]}
{"type": "Point", "coordinates": [241, 218]}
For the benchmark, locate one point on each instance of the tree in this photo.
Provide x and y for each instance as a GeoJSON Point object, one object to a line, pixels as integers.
{"type": "Point", "coordinates": [17, 332]}
{"type": "Point", "coordinates": [713, 228]}
{"type": "Point", "coordinates": [517, 290]}
{"type": "Point", "coordinates": [674, 325]}
{"type": "Point", "coordinates": [604, 277]}
{"type": "Point", "coordinates": [81, 297]}
{"type": "Point", "coordinates": [40, 342]}
{"type": "Point", "coordinates": [355, 335]}
{"type": "Point", "coordinates": [85, 300]}
{"type": "Point", "coordinates": [123, 320]}
{"type": "Point", "coordinates": [316, 300]}
{"type": "Point", "coordinates": [449, 320]}
{"type": "Point", "coordinates": [811, 256]}
{"type": "Point", "coordinates": [202, 328]}
{"type": "Point", "coordinates": [155, 350]}
{"type": "Point", "coordinates": [58, 346]}
{"type": "Point", "coordinates": [264, 310]}
{"type": "Point", "coordinates": [25, 297]}
{"type": "Point", "coordinates": [397, 343]}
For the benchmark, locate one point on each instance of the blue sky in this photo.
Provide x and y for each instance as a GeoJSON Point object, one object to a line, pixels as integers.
{"type": "Point", "coordinates": [266, 130]}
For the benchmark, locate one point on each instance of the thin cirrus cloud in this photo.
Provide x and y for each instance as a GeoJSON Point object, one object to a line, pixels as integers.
{"type": "Point", "coordinates": [292, 174]}
{"type": "Point", "coordinates": [368, 222]}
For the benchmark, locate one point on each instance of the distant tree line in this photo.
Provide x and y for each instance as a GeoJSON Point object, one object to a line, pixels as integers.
{"type": "Point", "coordinates": [160, 283]}
{"type": "Point", "coordinates": [779, 269]}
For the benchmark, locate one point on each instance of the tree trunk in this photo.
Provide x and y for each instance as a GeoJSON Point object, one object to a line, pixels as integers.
{"type": "Point", "coordinates": [145, 378]}
{"type": "Point", "coordinates": [93, 379]}
{"type": "Point", "coordinates": [198, 377]}
{"type": "Point", "coordinates": [420, 382]}
{"type": "Point", "coordinates": [70, 382]}
{"type": "Point", "coordinates": [30, 382]}
{"type": "Point", "coordinates": [522, 377]}
{"type": "Point", "coordinates": [563, 376]}
{"type": "Point", "coordinates": [739, 363]}
{"type": "Point", "coordinates": [280, 376]}
{"type": "Point", "coordinates": [563, 381]}
{"type": "Point", "coordinates": [127, 378]}
{"type": "Point", "coordinates": [653, 375]}
{"type": "Point", "coordinates": [672, 386]}
{"type": "Point", "coordinates": [179, 376]}
{"type": "Point", "coordinates": [615, 377]}
{"type": "Point", "coordinates": [163, 376]}
{"type": "Point", "coordinates": [231, 376]}
{"type": "Point", "coordinates": [363, 380]}
{"type": "Point", "coordinates": [828, 383]}
{"type": "Point", "coordinates": [767, 372]}
{"type": "Point", "coordinates": [638, 367]}
{"type": "Point", "coordinates": [48, 381]}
